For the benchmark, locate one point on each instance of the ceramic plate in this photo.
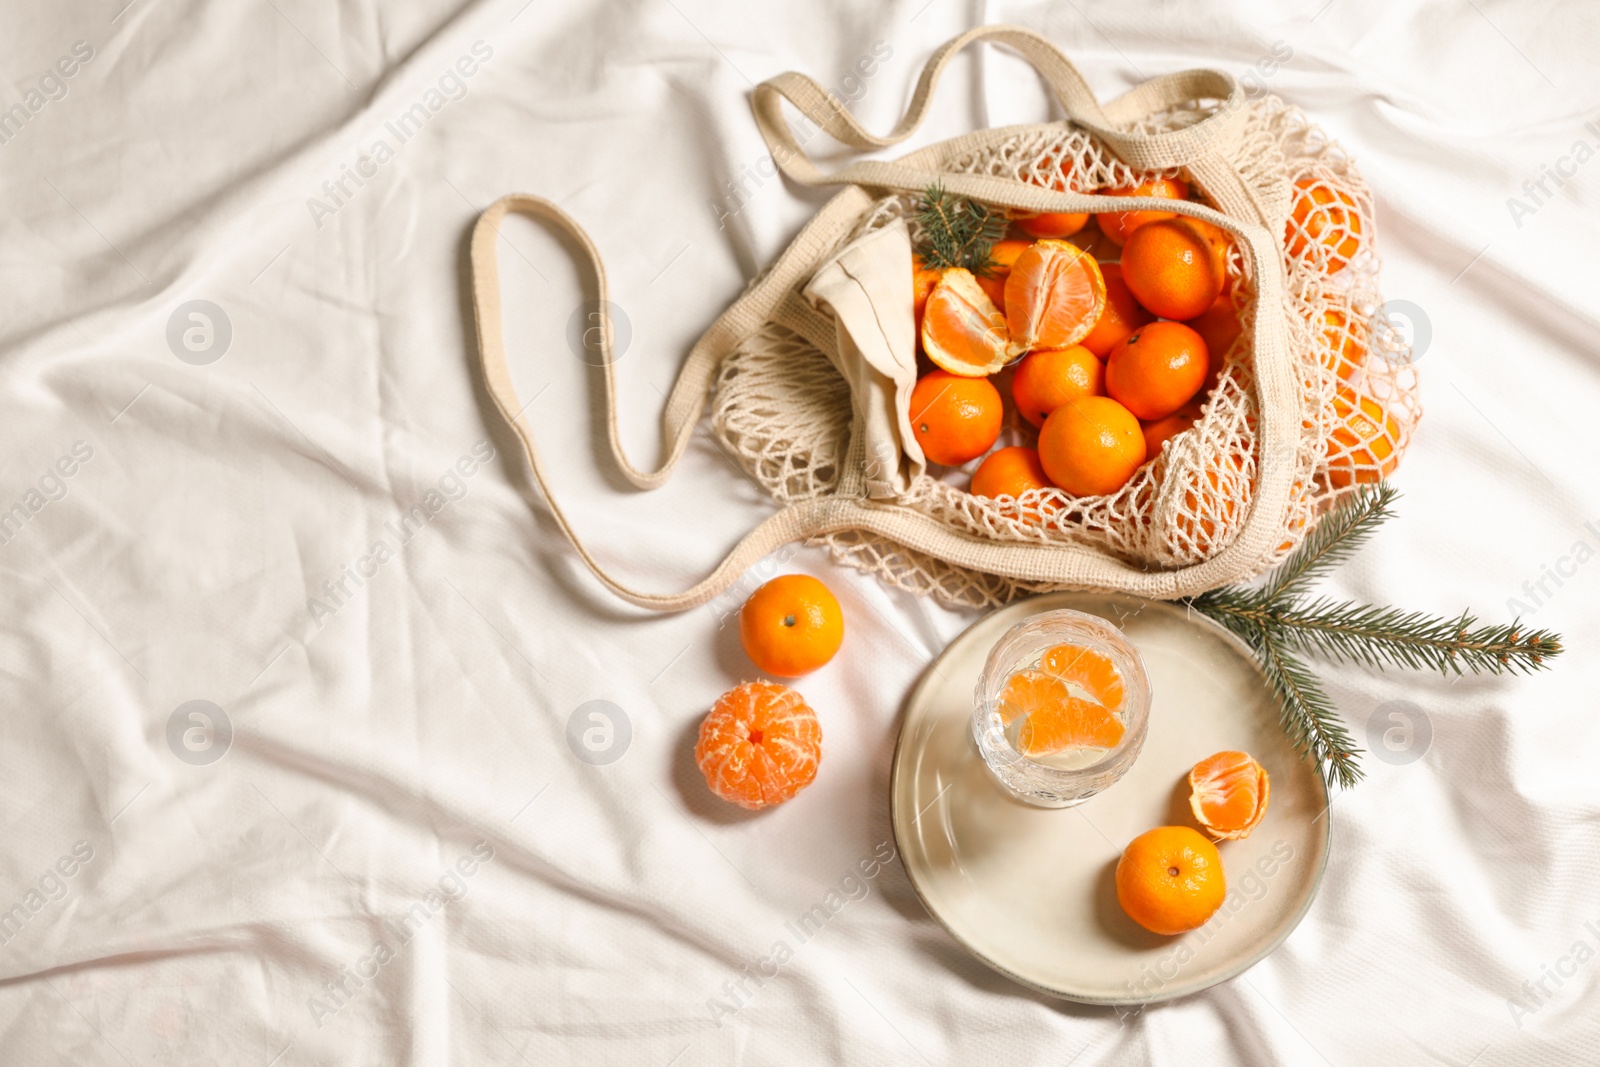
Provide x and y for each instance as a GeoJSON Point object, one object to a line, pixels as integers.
{"type": "Point", "coordinates": [1030, 891]}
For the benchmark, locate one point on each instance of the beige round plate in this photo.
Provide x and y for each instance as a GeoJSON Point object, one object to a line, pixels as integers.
{"type": "Point", "coordinates": [1029, 891]}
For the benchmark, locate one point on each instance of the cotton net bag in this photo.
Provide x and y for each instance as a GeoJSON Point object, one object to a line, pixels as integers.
{"type": "Point", "coordinates": [809, 373]}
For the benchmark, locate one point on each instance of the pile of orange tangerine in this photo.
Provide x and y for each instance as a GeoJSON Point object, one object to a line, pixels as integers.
{"type": "Point", "coordinates": [1112, 331]}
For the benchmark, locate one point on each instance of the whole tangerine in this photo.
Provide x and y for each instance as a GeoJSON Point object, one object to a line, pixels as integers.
{"type": "Point", "coordinates": [1009, 472]}
{"type": "Point", "coordinates": [1117, 225]}
{"type": "Point", "coordinates": [1157, 370]}
{"type": "Point", "coordinates": [791, 625]}
{"type": "Point", "coordinates": [1158, 432]}
{"type": "Point", "coordinates": [1170, 880]}
{"type": "Point", "coordinates": [1091, 447]}
{"type": "Point", "coordinates": [1171, 269]}
{"type": "Point", "coordinates": [1325, 216]}
{"type": "Point", "coordinates": [1122, 314]}
{"type": "Point", "coordinates": [1049, 377]}
{"type": "Point", "coordinates": [1218, 326]}
{"type": "Point", "coordinates": [923, 279]}
{"type": "Point", "coordinates": [1361, 447]}
{"type": "Point", "coordinates": [954, 418]}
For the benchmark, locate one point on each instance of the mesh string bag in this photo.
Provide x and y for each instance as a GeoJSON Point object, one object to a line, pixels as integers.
{"type": "Point", "coordinates": [1309, 402]}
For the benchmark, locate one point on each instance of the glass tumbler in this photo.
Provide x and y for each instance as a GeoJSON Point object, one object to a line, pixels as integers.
{"type": "Point", "coordinates": [1059, 779]}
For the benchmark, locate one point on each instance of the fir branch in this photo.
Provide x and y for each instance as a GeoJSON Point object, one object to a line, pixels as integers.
{"type": "Point", "coordinates": [1383, 637]}
{"type": "Point", "coordinates": [1307, 713]}
{"type": "Point", "coordinates": [1334, 539]}
{"type": "Point", "coordinates": [958, 232]}
{"type": "Point", "coordinates": [1279, 622]}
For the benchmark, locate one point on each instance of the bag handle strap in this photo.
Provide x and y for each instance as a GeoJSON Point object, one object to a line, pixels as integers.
{"type": "Point", "coordinates": [687, 399]}
{"type": "Point", "coordinates": [1141, 151]}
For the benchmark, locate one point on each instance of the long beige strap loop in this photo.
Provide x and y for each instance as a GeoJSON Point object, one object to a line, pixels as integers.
{"type": "Point", "coordinates": [687, 400]}
{"type": "Point", "coordinates": [1142, 151]}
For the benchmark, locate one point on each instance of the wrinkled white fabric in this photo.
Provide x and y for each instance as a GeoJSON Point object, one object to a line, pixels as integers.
{"type": "Point", "coordinates": [293, 503]}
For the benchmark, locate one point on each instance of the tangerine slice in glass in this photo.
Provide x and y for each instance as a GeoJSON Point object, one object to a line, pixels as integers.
{"type": "Point", "coordinates": [1088, 669]}
{"type": "Point", "coordinates": [1229, 792]}
{"type": "Point", "coordinates": [962, 331]}
{"type": "Point", "coordinates": [759, 746]}
{"type": "Point", "coordinates": [1052, 719]}
{"type": "Point", "coordinates": [1054, 296]}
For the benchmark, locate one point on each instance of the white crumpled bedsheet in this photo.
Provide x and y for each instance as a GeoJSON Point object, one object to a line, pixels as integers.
{"type": "Point", "coordinates": [382, 836]}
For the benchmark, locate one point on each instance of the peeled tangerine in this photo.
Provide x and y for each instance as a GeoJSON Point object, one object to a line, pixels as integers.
{"type": "Point", "coordinates": [1055, 294]}
{"type": "Point", "coordinates": [759, 746]}
{"type": "Point", "coordinates": [1229, 794]}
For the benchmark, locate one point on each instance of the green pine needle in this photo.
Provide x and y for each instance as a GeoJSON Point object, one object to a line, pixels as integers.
{"type": "Point", "coordinates": [957, 232]}
{"type": "Point", "coordinates": [1334, 540]}
{"type": "Point", "coordinates": [1308, 715]}
{"type": "Point", "coordinates": [1279, 622]}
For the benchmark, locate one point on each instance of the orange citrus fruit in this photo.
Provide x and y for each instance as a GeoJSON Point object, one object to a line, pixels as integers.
{"type": "Point", "coordinates": [791, 625]}
{"type": "Point", "coordinates": [1229, 792]}
{"type": "Point", "coordinates": [1052, 719]}
{"type": "Point", "coordinates": [1122, 315]}
{"type": "Point", "coordinates": [1209, 513]}
{"type": "Point", "coordinates": [1327, 216]}
{"type": "Point", "coordinates": [1221, 242]}
{"type": "Point", "coordinates": [1158, 432]}
{"type": "Point", "coordinates": [1157, 370]}
{"type": "Point", "coordinates": [1361, 447]}
{"type": "Point", "coordinates": [1054, 296]}
{"type": "Point", "coordinates": [955, 419]}
{"type": "Point", "coordinates": [923, 279]}
{"type": "Point", "coordinates": [1088, 669]}
{"type": "Point", "coordinates": [1170, 880]}
{"type": "Point", "coordinates": [1218, 326]}
{"type": "Point", "coordinates": [1091, 447]}
{"type": "Point", "coordinates": [1171, 269]}
{"type": "Point", "coordinates": [1009, 472]}
{"type": "Point", "coordinates": [1117, 225]}
{"type": "Point", "coordinates": [1054, 223]}
{"type": "Point", "coordinates": [1049, 377]}
{"type": "Point", "coordinates": [1001, 257]}
{"type": "Point", "coordinates": [759, 746]}
{"type": "Point", "coordinates": [1346, 347]}
{"type": "Point", "coordinates": [962, 331]}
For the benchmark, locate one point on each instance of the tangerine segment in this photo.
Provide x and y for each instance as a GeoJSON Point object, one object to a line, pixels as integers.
{"type": "Point", "coordinates": [759, 746]}
{"type": "Point", "coordinates": [1052, 719]}
{"type": "Point", "coordinates": [1054, 296]}
{"type": "Point", "coordinates": [1229, 792]}
{"type": "Point", "coordinates": [962, 331]}
{"type": "Point", "coordinates": [1001, 258]}
{"type": "Point", "coordinates": [1092, 671]}
{"type": "Point", "coordinates": [1170, 880]}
